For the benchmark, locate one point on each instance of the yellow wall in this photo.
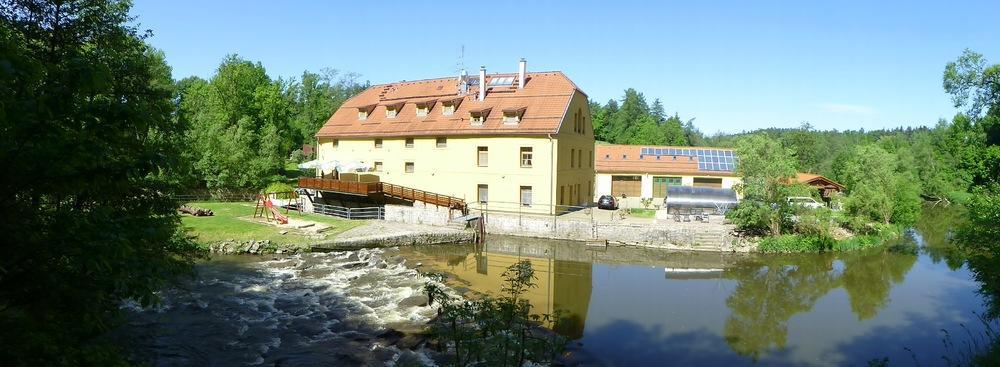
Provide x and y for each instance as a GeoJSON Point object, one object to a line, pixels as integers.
{"type": "Point", "coordinates": [454, 170]}
{"type": "Point", "coordinates": [575, 175]}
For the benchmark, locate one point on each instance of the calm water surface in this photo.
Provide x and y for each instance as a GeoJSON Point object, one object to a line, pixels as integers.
{"type": "Point", "coordinates": [632, 307]}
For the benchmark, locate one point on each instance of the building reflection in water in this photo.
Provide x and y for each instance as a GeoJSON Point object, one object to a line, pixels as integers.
{"type": "Point", "coordinates": [764, 292]}
{"type": "Point", "coordinates": [562, 283]}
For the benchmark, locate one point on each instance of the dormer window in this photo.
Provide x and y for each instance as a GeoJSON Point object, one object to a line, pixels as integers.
{"type": "Point", "coordinates": [424, 108]}
{"type": "Point", "coordinates": [392, 110]}
{"type": "Point", "coordinates": [364, 111]}
{"type": "Point", "coordinates": [449, 106]}
{"type": "Point", "coordinates": [513, 115]}
{"type": "Point", "coordinates": [478, 117]}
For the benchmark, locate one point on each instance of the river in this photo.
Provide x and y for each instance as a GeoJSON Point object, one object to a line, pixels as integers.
{"type": "Point", "coordinates": [625, 306]}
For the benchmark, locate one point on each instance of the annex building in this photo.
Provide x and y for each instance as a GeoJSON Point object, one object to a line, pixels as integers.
{"type": "Point", "coordinates": [638, 171]}
{"type": "Point", "coordinates": [511, 141]}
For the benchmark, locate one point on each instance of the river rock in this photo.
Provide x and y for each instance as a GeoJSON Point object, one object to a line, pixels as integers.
{"type": "Point", "coordinates": [418, 300]}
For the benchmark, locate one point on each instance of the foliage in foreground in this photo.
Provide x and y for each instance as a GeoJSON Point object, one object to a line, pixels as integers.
{"type": "Point", "coordinates": [87, 144]}
{"type": "Point", "coordinates": [499, 331]}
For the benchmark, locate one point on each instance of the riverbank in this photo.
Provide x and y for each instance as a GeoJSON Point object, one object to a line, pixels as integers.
{"type": "Point", "coordinates": [233, 230]}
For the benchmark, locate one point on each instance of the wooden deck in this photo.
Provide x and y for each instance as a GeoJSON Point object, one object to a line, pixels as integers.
{"type": "Point", "coordinates": [382, 188]}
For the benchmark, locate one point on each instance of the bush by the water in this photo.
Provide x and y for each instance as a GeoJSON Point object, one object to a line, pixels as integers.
{"type": "Point", "coordinates": [804, 243]}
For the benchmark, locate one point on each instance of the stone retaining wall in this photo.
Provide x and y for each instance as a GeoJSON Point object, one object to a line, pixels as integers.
{"type": "Point", "coordinates": [419, 213]}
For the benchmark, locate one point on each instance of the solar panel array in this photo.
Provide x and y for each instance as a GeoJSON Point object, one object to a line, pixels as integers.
{"type": "Point", "coordinates": [708, 159]}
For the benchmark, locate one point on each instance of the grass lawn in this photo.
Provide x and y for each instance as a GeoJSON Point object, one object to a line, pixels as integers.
{"type": "Point", "coordinates": [642, 213]}
{"type": "Point", "coordinates": [229, 222]}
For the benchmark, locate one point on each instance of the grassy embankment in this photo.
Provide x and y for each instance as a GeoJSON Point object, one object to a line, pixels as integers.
{"type": "Point", "coordinates": [232, 221]}
{"type": "Point", "coordinates": [801, 243]}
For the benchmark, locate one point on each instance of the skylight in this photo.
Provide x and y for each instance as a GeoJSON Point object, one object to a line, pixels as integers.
{"type": "Point", "coordinates": [501, 81]}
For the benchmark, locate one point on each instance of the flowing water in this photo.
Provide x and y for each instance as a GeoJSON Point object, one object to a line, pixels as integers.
{"type": "Point", "coordinates": [624, 306]}
{"type": "Point", "coordinates": [302, 310]}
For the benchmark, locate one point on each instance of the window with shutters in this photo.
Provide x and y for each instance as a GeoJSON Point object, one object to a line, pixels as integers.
{"type": "Point", "coordinates": [484, 193]}
{"type": "Point", "coordinates": [526, 195]}
{"type": "Point", "coordinates": [483, 157]}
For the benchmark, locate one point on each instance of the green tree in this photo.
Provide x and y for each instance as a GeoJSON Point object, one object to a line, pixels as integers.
{"type": "Point", "coordinates": [878, 188]}
{"type": "Point", "coordinates": [239, 125]}
{"type": "Point", "coordinates": [316, 96]}
{"type": "Point", "coordinates": [973, 83]}
{"type": "Point", "coordinates": [673, 131]}
{"type": "Point", "coordinates": [767, 170]}
{"type": "Point", "coordinates": [86, 138]}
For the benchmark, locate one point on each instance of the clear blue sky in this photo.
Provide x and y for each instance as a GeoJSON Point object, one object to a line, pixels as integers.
{"type": "Point", "coordinates": [733, 66]}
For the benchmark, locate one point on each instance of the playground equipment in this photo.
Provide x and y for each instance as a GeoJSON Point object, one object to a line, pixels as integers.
{"type": "Point", "coordinates": [266, 209]}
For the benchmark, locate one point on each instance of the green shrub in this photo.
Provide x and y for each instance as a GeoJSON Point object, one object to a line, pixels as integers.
{"type": "Point", "coordinates": [284, 190]}
{"type": "Point", "coordinates": [801, 243]}
{"type": "Point", "coordinates": [296, 156]}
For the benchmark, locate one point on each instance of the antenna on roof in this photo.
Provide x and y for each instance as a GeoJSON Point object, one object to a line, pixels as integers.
{"type": "Point", "coordinates": [460, 64]}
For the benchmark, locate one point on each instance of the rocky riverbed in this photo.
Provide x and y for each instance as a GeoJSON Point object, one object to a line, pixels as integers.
{"type": "Point", "coordinates": [338, 308]}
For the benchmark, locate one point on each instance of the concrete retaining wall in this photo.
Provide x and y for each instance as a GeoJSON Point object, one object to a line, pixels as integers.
{"type": "Point", "coordinates": [419, 213]}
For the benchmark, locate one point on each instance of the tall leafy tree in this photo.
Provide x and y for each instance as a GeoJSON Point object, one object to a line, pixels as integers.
{"type": "Point", "coordinates": [239, 125]}
{"type": "Point", "coordinates": [86, 139]}
{"type": "Point", "coordinates": [767, 169]}
{"type": "Point", "coordinates": [315, 96]}
{"type": "Point", "coordinates": [879, 188]}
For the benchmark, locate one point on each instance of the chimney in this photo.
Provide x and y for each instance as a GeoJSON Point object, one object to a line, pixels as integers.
{"type": "Point", "coordinates": [482, 83]}
{"type": "Point", "coordinates": [463, 83]}
{"type": "Point", "coordinates": [521, 66]}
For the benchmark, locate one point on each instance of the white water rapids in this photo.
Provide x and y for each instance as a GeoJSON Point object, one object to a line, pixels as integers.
{"type": "Point", "coordinates": [308, 309]}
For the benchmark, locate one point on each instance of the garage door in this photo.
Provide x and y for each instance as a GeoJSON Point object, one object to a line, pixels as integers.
{"type": "Point", "coordinates": [708, 182]}
{"type": "Point", "coordinates": [631, 186]}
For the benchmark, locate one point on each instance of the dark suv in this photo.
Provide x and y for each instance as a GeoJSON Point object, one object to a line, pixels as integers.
{"type": "Point", "coordinates": [607, 202]}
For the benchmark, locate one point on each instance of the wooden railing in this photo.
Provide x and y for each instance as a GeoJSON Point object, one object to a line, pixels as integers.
{"type": "Point", "coordinates": [407, 193]}
{"type": "Point", "coordinates": [388, 189]}
{"type": "Point", "coordinates": [326, 184]}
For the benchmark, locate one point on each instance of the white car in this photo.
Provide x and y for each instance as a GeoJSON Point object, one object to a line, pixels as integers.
{"type": "Point", "coordinates": [805, 202]}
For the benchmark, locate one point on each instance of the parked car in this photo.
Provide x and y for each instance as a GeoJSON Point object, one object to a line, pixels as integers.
{"type": "Point", "coordinates": [607, 202]}
{"type": "Point", "coordinates": [805, 202]}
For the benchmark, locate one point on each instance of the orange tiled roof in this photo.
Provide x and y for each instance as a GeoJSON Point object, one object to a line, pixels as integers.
{"type": "Point", "coordinates": [626, 159]}
{"type": "Point", "coordinates": [818, 180]}
{"type": "Point", "coordinates": [544, 100]}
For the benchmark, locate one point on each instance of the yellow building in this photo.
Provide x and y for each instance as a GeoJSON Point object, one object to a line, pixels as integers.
{"type": "Point", "coordinates": [646, 171]}
{"type": "Point", "coordinates": [524, 142]}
